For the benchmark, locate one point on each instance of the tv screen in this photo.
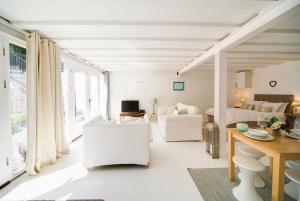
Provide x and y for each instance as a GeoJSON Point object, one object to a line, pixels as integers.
{"type": "Point", "coordinates": [130, 106]}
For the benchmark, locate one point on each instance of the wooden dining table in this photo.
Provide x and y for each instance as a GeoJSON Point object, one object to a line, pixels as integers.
{"type": "Point", "coordinates": [280, 149]}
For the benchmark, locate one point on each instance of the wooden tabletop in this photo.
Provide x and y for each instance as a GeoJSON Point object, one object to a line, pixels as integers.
{"type": "Point", "coordinates": [282, 145]}
{"type": "Point", "coordinates": [279, 150]}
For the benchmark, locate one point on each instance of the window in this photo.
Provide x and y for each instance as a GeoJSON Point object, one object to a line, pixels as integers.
{"type": "Point", "coordinates": [94, 93]}
{"type": "Point", "coordinates": [18, 107]}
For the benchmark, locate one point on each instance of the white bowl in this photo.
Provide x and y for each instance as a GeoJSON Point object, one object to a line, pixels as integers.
{"type": "Point", "coordinates": [295, 131]}
{"type": "Point", "coordinates": [257, 132]}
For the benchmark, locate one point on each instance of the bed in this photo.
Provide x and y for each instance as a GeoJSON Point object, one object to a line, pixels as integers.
{"type": "Point", "coordinates": [235, 115]}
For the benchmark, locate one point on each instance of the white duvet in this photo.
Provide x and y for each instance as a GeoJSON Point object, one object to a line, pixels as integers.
{"type": "Point", "coordinates": [235, 115]}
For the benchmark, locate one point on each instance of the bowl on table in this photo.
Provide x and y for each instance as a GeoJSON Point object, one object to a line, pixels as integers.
{"type": "Point", "coordinates": [257, 132]}
{"type": "Point", "coordinates": [243, 127]}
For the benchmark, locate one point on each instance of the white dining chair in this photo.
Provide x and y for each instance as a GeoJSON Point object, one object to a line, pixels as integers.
{"type": "Point", "coordinates": [294, 176]}
{"type": "Point", "coordinates": [250, 152]}
{"type": "Point", "coordinates": [290, 188]}
{"type": "Point", "coordinates": [249, 167]}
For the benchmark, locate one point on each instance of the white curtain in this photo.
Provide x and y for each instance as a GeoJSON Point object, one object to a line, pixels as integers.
{"type": "Point", "coordinates": [46, 139]}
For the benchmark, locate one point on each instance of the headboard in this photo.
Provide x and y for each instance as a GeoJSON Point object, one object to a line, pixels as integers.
{"type": "Point", "coordinates": [276, 98]}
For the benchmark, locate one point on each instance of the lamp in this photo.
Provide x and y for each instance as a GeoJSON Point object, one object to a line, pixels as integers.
{"type": "Point", "coordinates": [153, 117]}
{"type": "Point", "coordinates": [296, 107]}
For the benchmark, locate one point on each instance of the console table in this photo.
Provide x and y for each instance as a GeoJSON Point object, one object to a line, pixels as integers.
{"type": "Point", "coordinates": [131, 114]}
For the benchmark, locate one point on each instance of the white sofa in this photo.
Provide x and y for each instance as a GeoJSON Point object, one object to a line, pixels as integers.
{"type": "Point", "coordinates": [108, 143]}
{"type": "Point", "coordinates": [186, 127]}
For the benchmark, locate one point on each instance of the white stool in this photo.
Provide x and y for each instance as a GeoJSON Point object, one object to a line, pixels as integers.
{"type": "Point", "coordinates": [248, 166]}
{"type": "Point", "coordinates": [290, 188]}
{"type": "Point", "coordinates": [294, 176]}
{"type": "Point", "coordinates": [248, 151]}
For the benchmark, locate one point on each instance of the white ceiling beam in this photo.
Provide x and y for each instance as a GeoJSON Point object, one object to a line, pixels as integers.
{"type": "Point", "coordinates": [135, 56]}
{"type": "Point", "coordinates": [137, 49]}
{"type": "Point", "coordinates": [271, 55]}
{"type": "Point", "coordinates": [94, 24]}
{"type": "Point", "coordinates": [135, 39]}
{"type": "Point", "coordinates": [262, 22]}
{"type": "Point", "coordinates": [283, 31]}
{"type": "Point", "coordinates": [271, 44]}
{"type": "Point", "coordinates": [140, 63]}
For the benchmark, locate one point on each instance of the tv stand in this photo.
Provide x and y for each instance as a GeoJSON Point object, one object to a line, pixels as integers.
{"type": "Point", "coordinates": [131, 114]}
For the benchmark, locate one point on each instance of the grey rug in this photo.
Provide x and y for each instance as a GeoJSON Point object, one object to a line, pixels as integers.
{"type": "Point", "coordinates": [214, 185]}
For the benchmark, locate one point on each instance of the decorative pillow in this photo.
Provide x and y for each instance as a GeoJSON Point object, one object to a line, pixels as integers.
{"type": "Point", "coordinates": [192, 110]}
{"type": "Point", "coordinates": [181, 112]}
{"type": "Point", "coordinates": [256, 108]}
{"type": "Point", "coordinates": [250, 106]}
{"type": "Point", "coordinates": [275, 106]}
{"type": "Point", "coordinates": [256, 102]}
{"type": "Point", "coordinates": [175, 112]}
{"type": "Point", "coordinates": [282, 108]}
{"type": "Point", "coordinates": [266, 109]}
{"type": "Point", "coordinates": [180, 106]}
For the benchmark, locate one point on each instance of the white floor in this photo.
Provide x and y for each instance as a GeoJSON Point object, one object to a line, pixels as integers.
{"type": "Point", "coordinates": [167, 178]}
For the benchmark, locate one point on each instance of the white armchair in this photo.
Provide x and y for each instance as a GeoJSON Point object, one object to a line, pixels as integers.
{"type": "Point", "coordinates": [107, 143]}
{"type": "Point", "coordinates": [179, 127]}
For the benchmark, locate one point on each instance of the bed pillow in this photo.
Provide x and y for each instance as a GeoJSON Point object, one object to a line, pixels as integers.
{"type": "Point", "coordinates": [275, 106]}
{"type": "Point", "coordinates": [282, 108]}
{"type": "Point", "coordinates": [256, 102]}
{"type": "Point", "coordinates": [244, 106]}
{"type": "Point", "coordinates": [266, 109]}
{"type": "Point", "coordinates": [256, 108]}
{"type": "Point", "coordinates": [250, 106]}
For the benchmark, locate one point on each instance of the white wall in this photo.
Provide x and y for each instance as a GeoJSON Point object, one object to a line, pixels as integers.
{"type": "Point", "coordinates": [287, 75]}
{"type": "Point", "coordinates": [144, 86]}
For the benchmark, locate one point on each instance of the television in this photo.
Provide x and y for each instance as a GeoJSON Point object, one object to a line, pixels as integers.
{"type": "Point", "coordinates": [130, 106]}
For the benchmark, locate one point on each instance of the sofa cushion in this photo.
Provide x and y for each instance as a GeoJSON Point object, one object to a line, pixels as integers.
{"type": "Point", "coordinates": [184, 111]}
{"type": "Point", "coordinates": [190, 109]}
{"type": "Point", "coordinates": [175, 112]}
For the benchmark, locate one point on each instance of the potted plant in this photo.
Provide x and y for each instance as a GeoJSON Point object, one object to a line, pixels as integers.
{"type": "Point", "coordinates": [276, 125]}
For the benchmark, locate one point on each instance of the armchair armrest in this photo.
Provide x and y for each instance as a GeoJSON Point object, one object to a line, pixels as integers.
{"type": "Point", "coordinates": [183, 117]}
{"type": "Point", "coordinates": [162, 110]}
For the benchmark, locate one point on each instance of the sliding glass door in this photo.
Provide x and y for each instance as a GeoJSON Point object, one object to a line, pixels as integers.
{"type": "Point", "coordinates": [18, 107]}
{"type": "Point", "coordinates": [5, 136]}
{"type": "Point", "coordinates": [94, 96]}
{"type": "Point", "coordinates": [81, 92]}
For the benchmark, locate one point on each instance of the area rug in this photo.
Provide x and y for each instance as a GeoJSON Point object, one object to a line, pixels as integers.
{"type": "Point", "coordinates": [213, 185]}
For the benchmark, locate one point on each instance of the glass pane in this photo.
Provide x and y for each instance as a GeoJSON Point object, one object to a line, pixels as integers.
{"type": "Point", "coordinates": [64, 83]}
{"type": "Point", "coordinates": [18, 106]}
{"type": "Point", "coordinates": [80, 97]}
{"type": "Point", "coordinates": [94, 96]}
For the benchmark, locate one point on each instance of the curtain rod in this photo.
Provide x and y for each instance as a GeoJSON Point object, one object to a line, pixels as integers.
{"type": "Point", "coordinates": [6, 22]}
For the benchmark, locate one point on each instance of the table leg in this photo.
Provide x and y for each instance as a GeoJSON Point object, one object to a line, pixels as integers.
{"type": "Point", "coordinates": [231, 169]}
{"type": "Point", "coordinates": [271, 167]}
{"type": "Point", "coordinates": [278, 178]}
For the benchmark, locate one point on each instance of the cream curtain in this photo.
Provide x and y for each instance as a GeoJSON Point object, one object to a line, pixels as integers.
{"type": "Point", "coordinates": [46, 140]}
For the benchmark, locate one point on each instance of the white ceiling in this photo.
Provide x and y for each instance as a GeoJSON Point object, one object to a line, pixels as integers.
{"type": "Point", "coordinates": [277, 45]}
{"type": "Point", "coordinates": [153, 34]}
